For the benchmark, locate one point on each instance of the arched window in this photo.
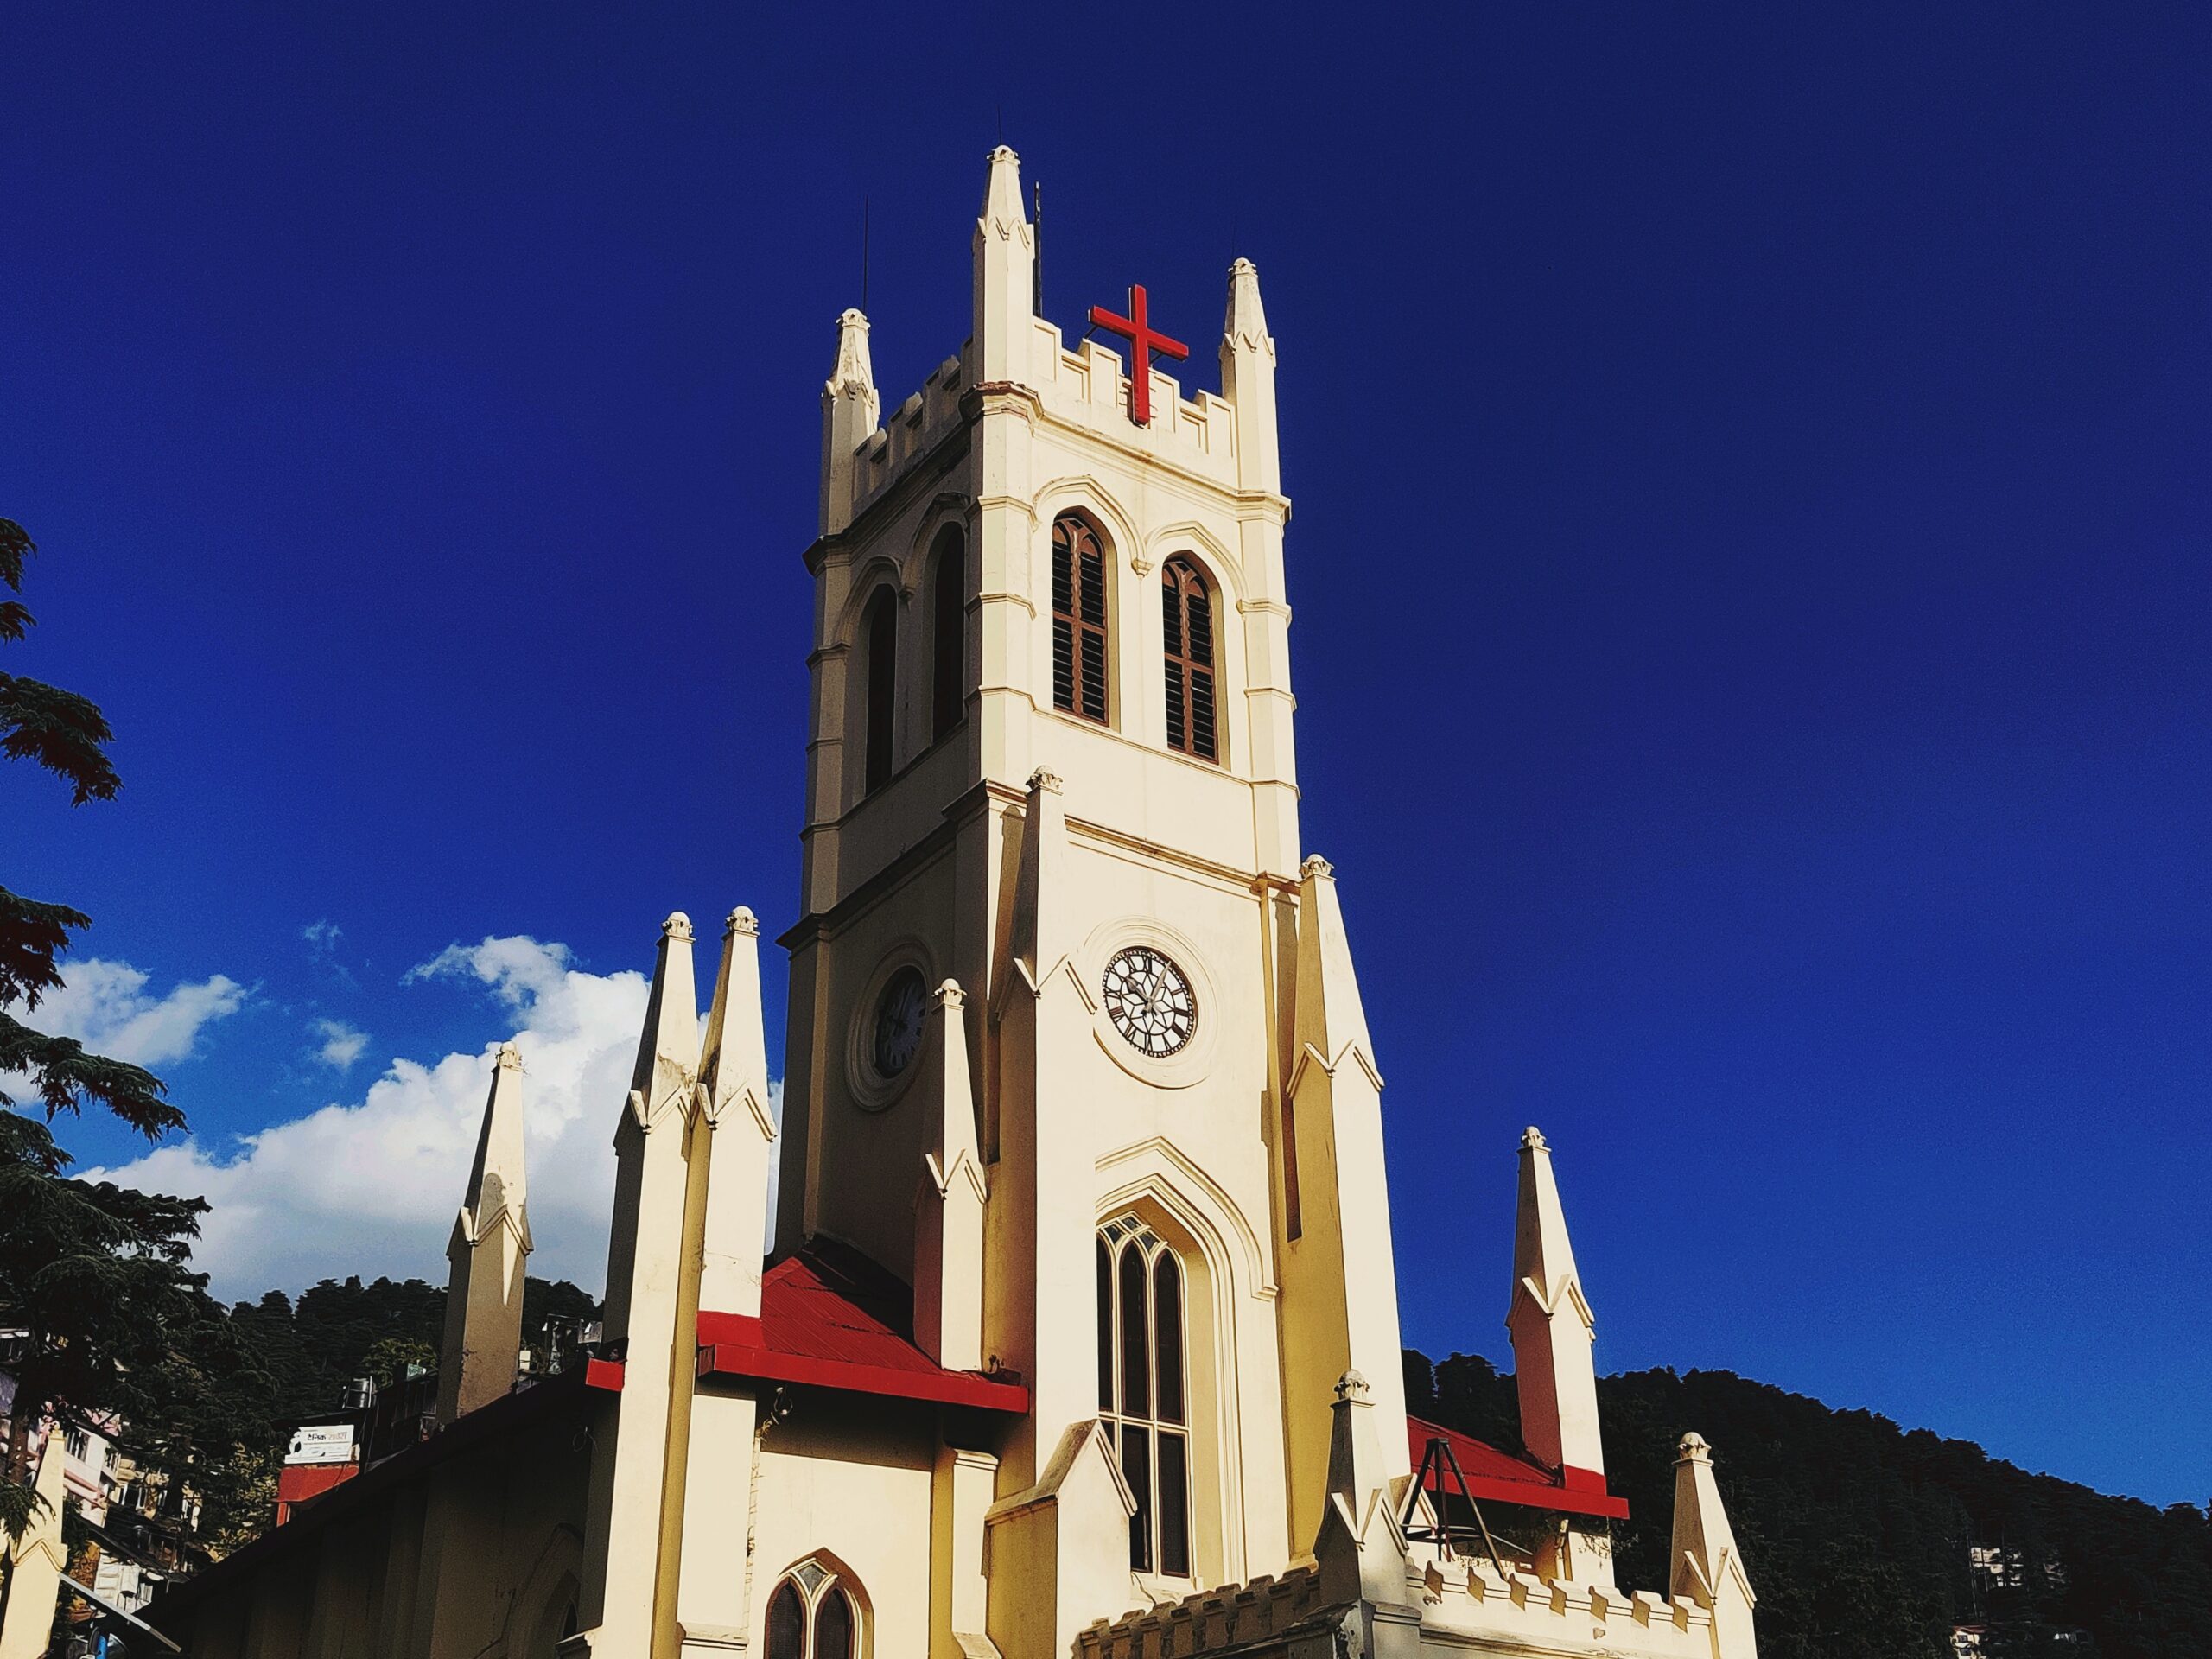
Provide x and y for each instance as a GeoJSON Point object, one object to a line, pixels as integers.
{"type": "Point", "coordinates": [1079, 619]}
{"type": "Point", "coordinates": [947, 633]}
{"type": "Point", "coordinates": [1140, 1393]}
{"type": "Point", "coordinates": [879, 643]}
{"type": "Point", "coordinates": [1187, 629]}
{"type": "Point", "coordinates": [811, 1615]}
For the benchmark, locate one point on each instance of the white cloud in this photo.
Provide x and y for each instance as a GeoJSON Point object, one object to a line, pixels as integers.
{"type": "Point", "coordinates": [341, 1044]}
{"type": "Point", "coordinates": [104, 1005]}
{"type": "Point", "coordinates": [371, 1188]}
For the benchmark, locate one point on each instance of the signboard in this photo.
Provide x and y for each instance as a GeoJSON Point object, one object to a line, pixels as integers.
{"type": "Point", "coordinates": [322, 1443]}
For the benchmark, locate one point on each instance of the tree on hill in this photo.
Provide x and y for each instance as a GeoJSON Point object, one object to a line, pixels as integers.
{"type": "Point", "coordinates": [1858, 1535]}
{"type": "Point", "coordinates": [94, 1273]}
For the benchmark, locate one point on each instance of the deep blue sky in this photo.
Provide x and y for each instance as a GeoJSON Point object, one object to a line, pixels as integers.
{"type": "Point", "coordinates": [1750, 567]}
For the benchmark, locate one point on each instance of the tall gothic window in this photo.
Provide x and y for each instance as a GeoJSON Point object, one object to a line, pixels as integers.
{"type": "Point", "coordinates": [1079, 619]}
{"type": "Point", "coordinates": [811, 1615]}
{"type": "Point", "coordinates": [1186, 628]}
{"type": "Point", "coordinates": [948, 631]}
{"type": "Point", "coordinates": [879, 642]}
{"type": "Point", "coordinates": [1141, 1392]}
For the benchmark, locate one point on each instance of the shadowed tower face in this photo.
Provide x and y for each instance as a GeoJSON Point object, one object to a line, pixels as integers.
{"type": "Point", "coordinates": [1075, 1044]}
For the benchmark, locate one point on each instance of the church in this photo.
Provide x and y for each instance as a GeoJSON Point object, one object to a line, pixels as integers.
{"type": "Point", "coordinates": [1078, 1334]}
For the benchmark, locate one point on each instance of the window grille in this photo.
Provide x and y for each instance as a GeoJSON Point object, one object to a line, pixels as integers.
{"type": "Point", "coordinates": [1079, 619]}
{"type": "Point", "coordinates": [811, 1615]}
{"type": "Point", "coordinates": [1187, 629]}
{"type": "Point", "coordinates": [1141, 1392]}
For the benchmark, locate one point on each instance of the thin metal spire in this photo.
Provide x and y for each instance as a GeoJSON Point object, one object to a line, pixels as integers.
{"type": "Point", "coordinates": [1037, 246]}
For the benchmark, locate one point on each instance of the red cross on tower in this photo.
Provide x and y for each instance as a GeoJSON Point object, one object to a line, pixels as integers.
{"type": "Point", "coordinates": [1143, 342]}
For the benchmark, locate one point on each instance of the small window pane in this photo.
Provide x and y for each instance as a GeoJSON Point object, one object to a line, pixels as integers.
{"type": "Point", "coordinates": [1105, 1330]}
{"type": "Point", "coordinates": [787, 1623]}
{"type": "Point", "coordinates": [1175, 1501]}
{"type": "Point", "coordinates": [1136, 1468]}
{"type": "Point", "coordinates": [1201, 622]}
{"type": "Point", "coordinates": [1167, 1337]}
{"type": "Point", "coordinates": [833, 1626]}
{"type": "Point", "coordinates": [882, 640]}
{"type": "Point", "coordinates": [1136, 1357]}
{"type": "Point", "coordinates": [948, 635]}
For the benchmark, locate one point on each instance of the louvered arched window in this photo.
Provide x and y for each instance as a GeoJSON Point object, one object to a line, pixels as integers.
{"type": "Point", "coordinates": [948, 631]}
{"type": "Point", "coordinates": [1187, 629]}
{"type": "Point", "coordinates": [1141, 1392]}
{"type": "Point", "coordinates": [812, 1615]}
{"type": "Point", "coordinates": [1079, 618]}
{"type": "Point", "coordinates": [880, 646]}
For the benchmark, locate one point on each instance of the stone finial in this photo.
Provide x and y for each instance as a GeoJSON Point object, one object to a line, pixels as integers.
{"type": "Point", "coordinates": [1247, 381]}
{"type": "Point", "coordinates": [1005, 253]}
{"type": "Point", "coordinates": [853, 375]}
{"type": "Point", "coordinates": [1549, 1321]}
{"type": "Point", "coordinates": [948, 1210]}
{"type": "Point", "coordinates": [1707, 1567]}
{"type": "Point", "coordinates": [1315, 865]}
{"type": "Point", "coordinates": [1245, 326]}
{"type": "Point", "coordinates": [850, 410]}
{"type": "Point", "coordinates": [1045, 779]}
{"type": "Point", "coordinates": [1352, 1386]}
{"type": "Point", "coordinates": [668, 1043]}
{"type": "Point", "coordinates": [1002, 212]}
{"type": "Point", "coordinates": [733, 1165]}
{"type": "Point", "coordinates": [479, 1353]}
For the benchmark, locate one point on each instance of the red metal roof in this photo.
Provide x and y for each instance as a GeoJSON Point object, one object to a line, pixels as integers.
{"type": "Point", "coordinates": [1499, 1477]}
{"type": "Point", "coordinates": [832, 1318]}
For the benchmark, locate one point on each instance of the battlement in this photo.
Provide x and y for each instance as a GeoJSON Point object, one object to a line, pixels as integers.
{"type": "Point", "coordinates": [1212, 1621]}
{"type": "Point", "coordinates": [911, 431]}
{"type": "Point", "coordinates": [1088, 387]}
{"type": "Point", "coordinates": [1462, 1602]}
{"type": "Point", "coordinates": [1461, 1598]}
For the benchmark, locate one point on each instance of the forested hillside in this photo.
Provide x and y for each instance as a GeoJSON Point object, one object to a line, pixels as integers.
{"type": "Point", "coordinates": [339, 1330]}
{"type": "Point", "coordinates": [1859, 1534]}
{"type": "Point", "coordinates": [290, 1359]}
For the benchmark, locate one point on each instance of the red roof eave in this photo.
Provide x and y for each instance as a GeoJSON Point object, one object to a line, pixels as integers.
{"type": "Point", "coordinates": [1500, 1477]}
{"type": "Point", "coordinates": [733, 1345]}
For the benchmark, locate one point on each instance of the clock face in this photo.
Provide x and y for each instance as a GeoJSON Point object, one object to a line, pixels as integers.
{"type": "Point", "coordinates": [1149, 1000]}
{"type": "Point", "coordinates": [899, 1014]}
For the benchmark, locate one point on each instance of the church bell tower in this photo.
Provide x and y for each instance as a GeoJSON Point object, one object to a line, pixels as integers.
{"type": "Point", "coordinates": [1076, 1049]}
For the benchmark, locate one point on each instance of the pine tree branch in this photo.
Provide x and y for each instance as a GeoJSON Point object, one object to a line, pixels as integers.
{"type": "Point", "coordinates": [65, 1077]}
{"type": "Point", "coordinates": [15, 545]}
{"type": "Point", "coordinates": [32, 933]}
{"type": "Point", "coordinates": [62, 732]}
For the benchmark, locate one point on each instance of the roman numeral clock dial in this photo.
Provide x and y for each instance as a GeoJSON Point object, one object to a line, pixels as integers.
{"type": "Point", "coordinates": [1148, 1000]}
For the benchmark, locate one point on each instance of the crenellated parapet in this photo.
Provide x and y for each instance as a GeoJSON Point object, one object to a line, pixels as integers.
{"type": "Point", "coordinates": [913, 430]}
{"type": "Point", "coordinates": [1088, 388]}
{"type": "Point", "coordinates": [1267, 1609]}
{"type": "Point", "coordinates": [1454, 1603]}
